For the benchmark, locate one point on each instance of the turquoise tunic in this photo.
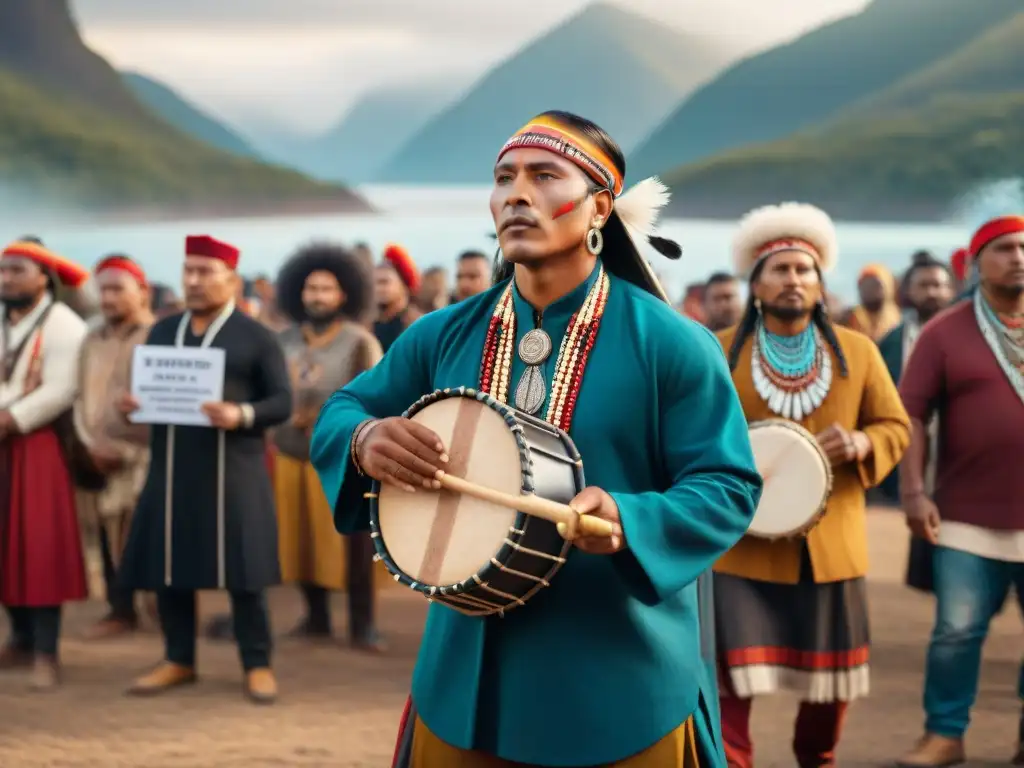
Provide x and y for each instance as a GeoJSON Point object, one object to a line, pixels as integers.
{"type": "Point", "coordinates": [606, 661]}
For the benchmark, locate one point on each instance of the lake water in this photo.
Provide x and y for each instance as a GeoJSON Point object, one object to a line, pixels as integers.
{"type": "Point", "coordinates": [435, 225]}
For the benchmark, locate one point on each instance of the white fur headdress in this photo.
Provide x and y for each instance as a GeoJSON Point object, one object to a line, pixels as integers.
{"type": "Point", "coordinates": [776, 224]}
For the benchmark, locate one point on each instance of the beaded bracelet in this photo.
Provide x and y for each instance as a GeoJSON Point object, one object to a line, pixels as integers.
{"type": "Point", "coordinates": [362, 430]}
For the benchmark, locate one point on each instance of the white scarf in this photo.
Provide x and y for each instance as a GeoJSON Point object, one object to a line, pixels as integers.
{"type": "Point", "coordinates": [179, 341]}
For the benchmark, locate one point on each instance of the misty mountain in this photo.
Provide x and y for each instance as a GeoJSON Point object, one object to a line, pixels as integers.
{"type": "Point", "coordinates": [72, 134]}
{"type": "Point", "coordinates": [911, 151]}
{"type": "Point", "coordinates": [176, 110]}
{"type": "Point", "coordinates": [794, 86]}
{"type": "Point", "coordinates": [621, 70]}
{"type": "Point", "coordinates": [369, 133]}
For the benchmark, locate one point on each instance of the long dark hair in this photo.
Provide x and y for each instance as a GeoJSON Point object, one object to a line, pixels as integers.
{"type": "Point", "coordinates": [615, 260]}
{"type": "Point", "coordinates": [819, 316]}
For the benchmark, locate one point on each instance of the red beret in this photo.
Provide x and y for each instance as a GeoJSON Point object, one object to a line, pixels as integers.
{"type": "Point", "coordinates": [67, 272]}
{"type": "Point", "coordinates": [125, 265]}
{"type": "Point", "coordinates": [959, 262]}
{"type": "Point", "coordinates": [989, 231]}
{"type": "Point", "coordinates": [212, 248]}
{"type": "Point", "coordinates": [400, 259]}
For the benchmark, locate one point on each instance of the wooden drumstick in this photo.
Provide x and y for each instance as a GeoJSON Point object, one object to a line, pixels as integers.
{"type": "Point", "coordinates": [551, 511]}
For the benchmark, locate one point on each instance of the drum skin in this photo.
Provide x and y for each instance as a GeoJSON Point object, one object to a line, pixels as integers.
{"type": "Point", "coordinates": [476, 556]}
{"type": "Point", "coordinates": [797, 479]}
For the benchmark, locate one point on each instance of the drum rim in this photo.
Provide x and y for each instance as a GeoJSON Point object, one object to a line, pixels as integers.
{"type": "Point", "coordinates": [816, 518]}
{"type": "Point", "coordinates": [520, 523]}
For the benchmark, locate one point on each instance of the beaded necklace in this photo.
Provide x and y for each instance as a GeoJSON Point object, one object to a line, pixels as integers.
{"type": "Point", "coordinates": [792, 374]}
{"type": "Point", "coordinates": [496, 365]}
{"type": "Point", "coordinates": [1003, 342]}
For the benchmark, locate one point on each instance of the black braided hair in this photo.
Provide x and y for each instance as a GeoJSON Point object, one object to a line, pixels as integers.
{"type": "Point", "coordinates": [819, 316]}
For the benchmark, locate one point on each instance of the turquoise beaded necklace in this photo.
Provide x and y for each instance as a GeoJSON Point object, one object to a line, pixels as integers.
{"type": "Point", "coordinates": [789, 355]}
{"type": "Point", "coordinates": [791, 374]}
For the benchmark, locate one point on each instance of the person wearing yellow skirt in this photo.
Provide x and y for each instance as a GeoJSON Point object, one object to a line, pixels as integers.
{"type": "Point", "coordinates": [325, 290]}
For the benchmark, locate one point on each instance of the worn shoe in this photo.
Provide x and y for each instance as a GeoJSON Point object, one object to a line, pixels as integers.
{"type": "Point", "coordinates": [110, 627]}
{"type": "Point", "coordinates": [165, 677]}
{"type": "Point", "coordinates": [934, 751]}
{"type": "Point", "coordinates": [45, 674]}
{"type": "Point", "coordinates": [261, 686]}
{"type": "Point", "coordinates": [13, 657]}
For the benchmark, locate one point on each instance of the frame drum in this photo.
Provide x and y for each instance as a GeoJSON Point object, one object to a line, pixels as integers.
{"type": "Point", "coordinates": [473, 555]}
{"type": "Point", "coordinates": [797, 479]}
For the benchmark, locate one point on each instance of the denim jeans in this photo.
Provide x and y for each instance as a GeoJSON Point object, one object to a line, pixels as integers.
{"type": "Point", "coordinates": [969, 590]}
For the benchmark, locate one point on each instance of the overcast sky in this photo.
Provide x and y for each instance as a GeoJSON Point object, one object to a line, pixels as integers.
{"type": "Point", "coordinates": [300, 63]}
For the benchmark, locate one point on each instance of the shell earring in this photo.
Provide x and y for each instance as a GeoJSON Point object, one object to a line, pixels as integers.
{"type": "Point", "coordinates": [757, 306]}
{"type": "Point", "coordinates": [595, 241]}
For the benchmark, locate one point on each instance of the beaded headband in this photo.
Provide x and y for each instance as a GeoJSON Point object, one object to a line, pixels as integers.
{"type": "Point", "coordinates": [778, 246]}
{"type": "Point", "coordinates": [553, 136]}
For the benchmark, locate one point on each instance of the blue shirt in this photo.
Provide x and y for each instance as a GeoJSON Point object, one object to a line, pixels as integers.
{"type": "Point", "coordinates": [607, 661]}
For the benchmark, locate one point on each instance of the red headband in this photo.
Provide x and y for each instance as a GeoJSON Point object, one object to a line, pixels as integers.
{"type": "Point", "coordinates": [403, 264]}
{"type": "Point", "coordinates": [212, 248]}
{"type": "Point", "coordinates": [67, 272]}
{"type": "Point", "coordinates": [989, 231]}
{"type": "Point", "coordinates": [787, 244]}
{"type": "Point", "coordinates": [124, 264]}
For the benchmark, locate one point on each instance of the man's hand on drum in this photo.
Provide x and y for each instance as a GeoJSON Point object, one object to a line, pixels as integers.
{"type": "Point", "coordinates": [401, 453]}
{"type": "Point", "coordinates": [593, 502]}
{"type": "Point", "coordinates": [842, 445]}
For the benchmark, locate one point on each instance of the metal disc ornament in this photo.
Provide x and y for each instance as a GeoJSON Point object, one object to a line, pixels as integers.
{"type": "Point", "coordinates": [535, 347]}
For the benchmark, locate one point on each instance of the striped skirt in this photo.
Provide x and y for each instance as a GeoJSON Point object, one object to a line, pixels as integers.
{"type": "Point", "coordinates": [809, 638]}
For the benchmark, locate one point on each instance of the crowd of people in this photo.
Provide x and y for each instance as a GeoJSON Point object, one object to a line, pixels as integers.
{"type": "Point", "coordinates": [917, 389]}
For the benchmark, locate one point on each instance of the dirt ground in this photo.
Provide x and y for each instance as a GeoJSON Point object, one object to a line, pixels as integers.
{"type": "Point", "coordinates": [340, 709]}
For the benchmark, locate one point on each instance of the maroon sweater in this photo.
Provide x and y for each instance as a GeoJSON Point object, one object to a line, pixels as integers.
{"type": "Point", "coordinates": [954, 372]}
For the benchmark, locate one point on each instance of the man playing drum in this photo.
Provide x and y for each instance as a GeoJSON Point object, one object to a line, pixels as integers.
{"type": "Point", "coordinates": [603, 667]}
{"type": "Point", "coordinates": [792, 612]}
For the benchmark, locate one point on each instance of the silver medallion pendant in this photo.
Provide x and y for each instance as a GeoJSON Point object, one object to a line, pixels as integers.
{"type": "Point", "coordinates": [534, 348]}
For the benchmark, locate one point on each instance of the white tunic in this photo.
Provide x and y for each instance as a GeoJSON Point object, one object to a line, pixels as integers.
{"type": "Point", "coordinates": [62, 334]}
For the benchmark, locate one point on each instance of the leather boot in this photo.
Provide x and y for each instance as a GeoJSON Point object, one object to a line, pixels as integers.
{"type": "Point", "coordinates": [934, 751]}
{"type": "Point", "coordinates": [45, 673]}
{"type": "Point", "coordinates": [261, 686]}
{"type": "Point", "coordinates": [165, 677]}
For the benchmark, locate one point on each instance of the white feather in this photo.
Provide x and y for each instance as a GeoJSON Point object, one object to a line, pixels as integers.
{"type": "Point", "coordinates": [639, 206]}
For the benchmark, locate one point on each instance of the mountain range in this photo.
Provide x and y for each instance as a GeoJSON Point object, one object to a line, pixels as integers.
{"type": "Point", "coordinates": [371, 130]}
{"type": "Point", "coordinates": [621, 70]}
{"type": "Point", "coordinates": [74, 136]}
{"type": "Point", "coordinates": [893, 112]}
{"type": "Point", "coordinates": [910, 149]}
{"type": "Point", "coordinates": [795, 86]}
